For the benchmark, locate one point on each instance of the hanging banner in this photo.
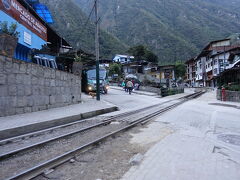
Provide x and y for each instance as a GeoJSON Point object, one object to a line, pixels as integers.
{"type": "Point", "coordinates": [24, 17]}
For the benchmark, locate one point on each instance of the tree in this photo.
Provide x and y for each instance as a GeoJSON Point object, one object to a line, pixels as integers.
{"type": "Point", "coordinates": [180, 69]}
{"type": "Point", "coordinates": [151, 57]}
{"type": "Point", "coordinates": [115, 69]}
{"type": "Point", "coordinates": [141, 52]}
{"type": "Point", "coordinates": [11, 30]}
{"type": "Point", "coordinates": [138, 51]}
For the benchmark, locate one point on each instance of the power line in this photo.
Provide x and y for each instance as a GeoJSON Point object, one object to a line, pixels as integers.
{"type": "Point", "coordinates": [84, 26]}
{"type": "Point", "coordinates": [89, 16]}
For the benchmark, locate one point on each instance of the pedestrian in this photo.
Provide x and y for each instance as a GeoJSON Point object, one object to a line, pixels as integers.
{"type": "Point", "coordinates": [126, 88]}
{"type": "Point", "coordinates": [136, 86]}
{"type": "Point", "coordinates": [130, 86]}
{"type": "Point", "coordinates": [124, 85]}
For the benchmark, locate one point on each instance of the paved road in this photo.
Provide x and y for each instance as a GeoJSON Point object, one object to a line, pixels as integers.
{"type": "Point", "coordinates": [196, 141]}
{"type": "Point", "coordinates": [127, 102]}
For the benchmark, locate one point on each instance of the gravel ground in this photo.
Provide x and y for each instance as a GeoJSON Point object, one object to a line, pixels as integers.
{"type": "Point", "coordinates": [19, 143]}
{"type": "Point", "coordinates": [110, 160]}
{"type": "Point", "coordinates": [27, 159]}
{"type": "Point", "coordinates": [107, 161]}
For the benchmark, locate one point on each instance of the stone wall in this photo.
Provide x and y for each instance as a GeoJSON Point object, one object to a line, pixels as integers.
{"type": "Point", "coordinates": [150, 89]}
{"type": "Point", "coordinates": [27, 87]}
{"type": "Point", "coordinates": [233, 96]}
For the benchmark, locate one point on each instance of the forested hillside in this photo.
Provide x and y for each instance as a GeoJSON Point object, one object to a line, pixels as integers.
{"type": "Point", "coordinates": [70, 22]}
{"type": "Point", "coordinates": [172, 29]}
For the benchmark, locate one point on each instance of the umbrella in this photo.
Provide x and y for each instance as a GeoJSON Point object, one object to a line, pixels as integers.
{"type": "Point", "coordinates": [131, 76]}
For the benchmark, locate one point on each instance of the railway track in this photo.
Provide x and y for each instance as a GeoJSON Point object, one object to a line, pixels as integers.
{"type": "Point", "coordinates": [70, 143]}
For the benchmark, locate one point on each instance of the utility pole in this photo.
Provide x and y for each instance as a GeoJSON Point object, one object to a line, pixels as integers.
{"type": "Point", "coordinates": [97, 50]}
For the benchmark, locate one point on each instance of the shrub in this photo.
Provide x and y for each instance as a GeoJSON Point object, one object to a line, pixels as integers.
{"type": "Point", "coordinates": [232, 87]}
{"type": "Point", "coordinates": [10, 30]}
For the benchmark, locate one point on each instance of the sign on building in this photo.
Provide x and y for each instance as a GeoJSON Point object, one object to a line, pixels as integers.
{"type": "Point", "coordinates": [14, 9]}
{"type": "Point", "coordinates": [27, 38]}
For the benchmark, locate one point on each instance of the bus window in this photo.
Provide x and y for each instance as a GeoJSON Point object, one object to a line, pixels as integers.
{"type": "Point", "coordinates": [51, 64]}
{"type": "Point", "coordinates": [48, 63]}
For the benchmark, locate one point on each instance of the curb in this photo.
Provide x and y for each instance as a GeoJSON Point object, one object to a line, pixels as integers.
{"type": "Point", "coordinates": [8, 133]}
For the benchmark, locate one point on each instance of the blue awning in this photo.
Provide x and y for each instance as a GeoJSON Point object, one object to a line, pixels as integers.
{"type": "Point", "coordinates": [42, 10]}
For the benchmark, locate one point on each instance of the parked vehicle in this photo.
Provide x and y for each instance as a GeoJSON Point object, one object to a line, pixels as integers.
{"type": "Point", "coordinates": [89, 80]}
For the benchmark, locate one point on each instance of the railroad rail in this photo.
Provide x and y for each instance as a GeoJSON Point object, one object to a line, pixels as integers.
{"type": "Point", "coordinates": [37, 133]}
{"type": "Point", "coordinates": [66, 156]}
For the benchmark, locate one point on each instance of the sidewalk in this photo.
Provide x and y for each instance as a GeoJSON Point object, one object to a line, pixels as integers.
{"type": "Point", "coordinates": [197, 140]}
{"type": "Point", "coordinates": [136, 91]}
{"type": "Point", "coordinates": [25, 123]}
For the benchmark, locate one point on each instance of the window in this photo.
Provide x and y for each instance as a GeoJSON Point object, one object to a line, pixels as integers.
{"type": "Point", "coordinates": [221, 62]}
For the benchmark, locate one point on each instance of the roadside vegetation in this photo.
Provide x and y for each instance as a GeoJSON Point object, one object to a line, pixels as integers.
{"type": "Point", "coordinates": [232, 87]}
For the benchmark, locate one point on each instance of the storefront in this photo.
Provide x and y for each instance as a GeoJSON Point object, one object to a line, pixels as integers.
{"type": "Point", "coordinates": [36, 37]}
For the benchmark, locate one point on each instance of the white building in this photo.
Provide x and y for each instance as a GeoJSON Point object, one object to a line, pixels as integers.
{"type": "Point", "coordinates": [216, 57]}
{"type": "Point", "coordinates": [200, 71]}
{"type": "Point", "coordinates": [213, 60]}
{"type": "Point", "coordinates": [123, 58]}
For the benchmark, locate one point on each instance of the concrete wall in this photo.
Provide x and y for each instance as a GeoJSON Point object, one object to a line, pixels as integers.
{"type": "Point", "coordinates": [27, 87]}
{"type": "Point", "coordinates": [233, 96]}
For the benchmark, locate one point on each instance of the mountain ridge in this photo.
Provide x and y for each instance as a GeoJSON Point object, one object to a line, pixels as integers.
{"type": "Point", "coordinates": [174, 30]}
{"type": "Point", "coordinates": [180, 28]}
{"type": "Point", "coordinates": [70, 22]}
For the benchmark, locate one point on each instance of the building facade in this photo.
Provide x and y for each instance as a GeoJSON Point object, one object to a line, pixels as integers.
{"type": "Point", "coordinates": [191, 72]}
{"type": "Point", "coordinates": [214, 59]}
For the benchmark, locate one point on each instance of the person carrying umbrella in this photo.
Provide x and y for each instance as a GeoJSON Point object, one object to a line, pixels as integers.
{"type": "Point", "coordinates": [129, 86]}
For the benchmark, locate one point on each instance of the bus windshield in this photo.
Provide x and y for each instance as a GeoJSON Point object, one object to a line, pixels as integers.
{"type": "Point", "coordinates": [91, 74]}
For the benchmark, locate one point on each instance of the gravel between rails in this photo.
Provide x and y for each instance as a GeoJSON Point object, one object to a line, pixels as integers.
{"type": "Point", "coordinates": [27, 159]}
{"type": "Point", "coordinates": [19, 143]}
{"type": "Point", "coordinates": [108, 161]}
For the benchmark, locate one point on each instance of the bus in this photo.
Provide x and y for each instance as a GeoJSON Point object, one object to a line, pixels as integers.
{"type": "Point", "coordinates": [89, 80]}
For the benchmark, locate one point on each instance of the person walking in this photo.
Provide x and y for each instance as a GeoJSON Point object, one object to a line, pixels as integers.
{"type": "Point", "coordinates": [130, 86]}
{"type": "Point", "coordinates": [124, 85]}
{"type": "Point", "coordinates": [126, 88]}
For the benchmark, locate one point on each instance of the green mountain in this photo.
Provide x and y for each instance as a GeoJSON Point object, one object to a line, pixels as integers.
{"type": "Point", "coordinates": [70, 22]}
{"type": "Point", "coordinates": [172, 29]}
